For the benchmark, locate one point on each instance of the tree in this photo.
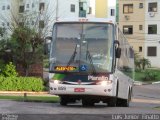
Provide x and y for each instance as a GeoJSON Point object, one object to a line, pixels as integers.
{"type": "Point", "coordinates": [2, 32]}
{"type": "Point", "coordinates": [26, 47]}
{"type": "Point", "coordinates": [2, 39]}
{"type": "Point", "coordinates": [3, 44]}
{"type": "Point", "coordinates": [29, 30]}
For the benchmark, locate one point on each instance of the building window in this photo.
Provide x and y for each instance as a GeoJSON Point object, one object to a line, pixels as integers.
{"type": "Point", "coordinates": [3, 24]}
{"type": "Point", "coordinates": [82, 11]}
{"type": "Point", "coordinates": [72, 8]}
{"type": "Point", "coordinates": [32, 23]}
{"type": "Point", "coordinates": [21, 23]}
{"type": "Point", "coordinates": [7, 23]}
{"type": "Point", "coordinates": [32, 5]}
{"type": "Point", "coordinates": [90, 10]}
{"type": "Point", "coordinates": [128, 8]}
{"type": "Point", "coordinates": [152, 7]}
{"type": "Point", "coordinates": [152, 51]}
{"type": "Point", "coordinates": [3, 7]}
{"type": "Point", "coordinates": [8, 7]}
{"type": "Point", "coordinates": [27, 6]}
{"type": "Point", "coordinates": [140, 5]}
{"type": "Point", "coordinates": [140, 27]}
{"type": "Point", "coordinates": [41, 6]}
{"type": "Point", "coordinates": [128, 29]}
{"type": "Point", "coordinates": [21, 9]}
{"type": "Point", "coordinates": [112, 12]}
{"type": "Point", "coordinates": [140, 49]}
{"type": "Point", "coordinates": [27, 23]}
{"type": "Point", "coordinates": [152, 29]}
{"type": "Point", "coordinates": [41, 24]}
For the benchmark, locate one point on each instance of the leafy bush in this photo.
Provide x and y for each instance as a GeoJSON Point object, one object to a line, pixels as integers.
{"type": "Point", "coordinates": [149, 76]}
{"type": "Point", "coordinates": [21, 84]}
{"type": "Point", "coordinates": [8, 70]}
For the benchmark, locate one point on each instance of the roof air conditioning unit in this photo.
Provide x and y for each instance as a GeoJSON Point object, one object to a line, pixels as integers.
{"type": "Point", "coordinates": [151, 14]}
{"type": "Point", "coordinates": [126, 17]}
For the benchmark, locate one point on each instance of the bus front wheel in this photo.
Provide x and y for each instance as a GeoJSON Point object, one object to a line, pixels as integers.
{"type": "Point", "coordinates": [63, 101]}
{"type": "Point", "coordinates": [86, 102]}
{"type": "Point", "coordinates": [124, 102]}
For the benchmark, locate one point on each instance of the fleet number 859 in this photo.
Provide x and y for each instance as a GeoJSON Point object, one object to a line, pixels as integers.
{"type": "Point", "coordinates": [61, 88]}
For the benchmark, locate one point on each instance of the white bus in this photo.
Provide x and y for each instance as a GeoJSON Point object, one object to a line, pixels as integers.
{"type": "Point", "coordinates": [91, 61]}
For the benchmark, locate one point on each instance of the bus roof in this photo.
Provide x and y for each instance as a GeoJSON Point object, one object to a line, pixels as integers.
{"type": "Point", "coordinates": [105, 20]}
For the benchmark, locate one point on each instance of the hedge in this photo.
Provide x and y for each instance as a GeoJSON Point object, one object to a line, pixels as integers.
{"type": "Point", "coordinates": [21, 84]}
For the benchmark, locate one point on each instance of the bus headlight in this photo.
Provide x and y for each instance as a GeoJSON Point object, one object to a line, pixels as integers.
{"type": "Point", "coordinates": [104, 83]}
{"type": "Point", "coordinates": [56, 81]}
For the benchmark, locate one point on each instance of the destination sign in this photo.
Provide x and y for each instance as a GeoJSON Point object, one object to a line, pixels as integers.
{"type": "Point", "coordinates": [65, 68]}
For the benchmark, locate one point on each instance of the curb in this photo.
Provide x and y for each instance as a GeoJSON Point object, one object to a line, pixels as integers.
{"type": "Point", "coordinates": [156, 82]}
{"type": "Point", "coordinates": [144, 83]}
{"type": "Point", "coordinates": [22, 92]}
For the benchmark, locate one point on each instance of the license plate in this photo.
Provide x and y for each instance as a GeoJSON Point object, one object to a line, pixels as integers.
{"type": "Point", "coordinates": [79, 89]}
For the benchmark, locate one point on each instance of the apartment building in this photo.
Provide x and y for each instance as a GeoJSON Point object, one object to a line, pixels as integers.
{"type": "Point", "coordinates": [5, 8]}
{"type": "Point", "coordinates": [111, 12]}
{"type": "Point", "coordinates": [40, 11]}
{"type": "Point", "coordinates": [131, 23]}
{"type": "Point", "coordinates": [152, 30]}
{"type": "Point", "coordinates": [139, 20]}
{"type": "Point", "coordinates": [103, 9]}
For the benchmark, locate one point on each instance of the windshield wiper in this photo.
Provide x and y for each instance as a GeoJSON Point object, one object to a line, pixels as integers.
{"type": "Point", "coordinates": [91, 62]}
{"type": "Point", "coordinates": [72, 57]}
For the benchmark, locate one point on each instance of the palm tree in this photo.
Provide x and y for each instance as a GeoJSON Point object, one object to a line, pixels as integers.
{"type": "Point", "coordinates": [145, 62]}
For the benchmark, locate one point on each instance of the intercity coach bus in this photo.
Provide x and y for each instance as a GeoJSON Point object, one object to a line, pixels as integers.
{"type": "Point", "coordinates": [91, 61]}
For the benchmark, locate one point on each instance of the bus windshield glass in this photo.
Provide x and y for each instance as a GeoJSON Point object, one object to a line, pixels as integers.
{"type": "Point", "coordinates": [82, 47]}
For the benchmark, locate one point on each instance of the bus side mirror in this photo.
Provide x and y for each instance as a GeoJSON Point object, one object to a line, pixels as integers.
{"type": "Point", "coordinates": [118, 52]}
{"type": "Point", "coordinates": [47, 45]}
{"type": "Point", "coordinates": [118, 49]}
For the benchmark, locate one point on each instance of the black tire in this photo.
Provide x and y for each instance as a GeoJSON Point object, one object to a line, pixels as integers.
{"type": "Point", "coordinates": [113, 101]}
{"type": "Point", "coordinates": [125, 102]}
{"type": "Point", "coordinates": [86, 103]}
{"type": "Point", "coordinates": [119, 102]}
{"type": "Point", "coordinates": [63, 101]}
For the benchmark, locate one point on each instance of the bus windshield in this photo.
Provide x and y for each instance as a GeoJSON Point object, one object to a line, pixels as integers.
{"type": "Point", "coordinates": [82, 47]}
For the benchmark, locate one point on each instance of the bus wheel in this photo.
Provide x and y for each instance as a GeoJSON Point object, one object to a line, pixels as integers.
{"type": "Point", "coordinates": [63, 101]}
{"type": "Point", "coordinates": [125, 102]}
{"type": "Point", "coordinates": [87, 102]}
{"type": "Point", "coordinates": [112, 102]}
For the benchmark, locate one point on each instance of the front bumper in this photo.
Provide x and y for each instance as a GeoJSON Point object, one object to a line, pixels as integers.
{"type": "Point", "coordinates": [65, 89]}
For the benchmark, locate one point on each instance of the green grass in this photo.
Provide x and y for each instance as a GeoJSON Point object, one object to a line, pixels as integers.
{"type": "Point", "coordinates": [139, 75]}
{"type": "Point", "coordinates": [53, 99]}
{"type": "Point", "coordinates": [157, 108]}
